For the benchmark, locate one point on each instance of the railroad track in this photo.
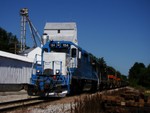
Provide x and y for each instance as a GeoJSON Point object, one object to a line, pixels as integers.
{"type": "Point", "coordinates": [24, 103]}
{"type": "Point", "coordinates": [12, 105]}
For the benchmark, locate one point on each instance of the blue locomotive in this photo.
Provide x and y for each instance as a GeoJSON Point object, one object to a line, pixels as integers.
{"type": "Point", "coordinates": [65, 68]}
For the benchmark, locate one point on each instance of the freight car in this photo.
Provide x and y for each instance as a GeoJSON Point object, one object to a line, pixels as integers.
{"type": "Point", "coordinates": [65, 67]}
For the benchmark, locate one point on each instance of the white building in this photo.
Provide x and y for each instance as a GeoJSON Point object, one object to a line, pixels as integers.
{"type": "Point", "coordinates": [16, 70]}
{"type": "Point", "coordinates": [61, 32]}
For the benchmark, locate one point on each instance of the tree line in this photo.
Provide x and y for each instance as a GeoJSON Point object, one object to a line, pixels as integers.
{"type": "Point", "coordinates": [106, 69]}
{"type": "Point", "coordinates": [8, 42]}
{"type": "Point", "coordinates": [139, 75]}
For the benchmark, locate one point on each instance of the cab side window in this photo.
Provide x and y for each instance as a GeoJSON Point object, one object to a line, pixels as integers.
{"type": "Point", "coordinates": [45, 49]}
{"type": "Point", "coordinates": [73, 52]}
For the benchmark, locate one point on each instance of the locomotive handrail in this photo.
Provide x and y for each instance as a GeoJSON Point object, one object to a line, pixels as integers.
{"type": "Point", "coordinates": [35, 62]}
{"type": "Point", "coordinates": [68, 70]}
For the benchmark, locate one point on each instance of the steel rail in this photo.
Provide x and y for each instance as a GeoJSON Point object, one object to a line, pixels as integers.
{"type": "Point", "coordinates": [12, 105]}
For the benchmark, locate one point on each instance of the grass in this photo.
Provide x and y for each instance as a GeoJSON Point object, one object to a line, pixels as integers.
{"type": "Point", "coordinates": [88, 104]}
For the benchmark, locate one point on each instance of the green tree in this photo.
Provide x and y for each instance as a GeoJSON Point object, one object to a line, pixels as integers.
{"type": "Point", "coordinates": [4, 40]}
{"type": "Point", "coordinates": [111, 70]}
{"type": "Point", "coordinates": [102, 67]}
{"type": "Point", "coordinates": [144, 79]}
{"type": "Point", "coordinates": [8, 42]}
{"type": "Point", "coordinates": [124, 77]}
{"type": "Point", "coordinates": [136, 70]}
{"type": "Point", "coordinates": [118, 74]}
{"type": "Point", "coordinates": [102, 63]}
{"type": "Point", "coordinates": [139, 75]}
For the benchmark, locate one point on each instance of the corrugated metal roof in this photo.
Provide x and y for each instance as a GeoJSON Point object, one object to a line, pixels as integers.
{"type": "Point", "coordinates": [27, 51]}
{"type": "Point", "coordinates": [14, 56]}
{"type": "Point", "coordinates": [54, 26]}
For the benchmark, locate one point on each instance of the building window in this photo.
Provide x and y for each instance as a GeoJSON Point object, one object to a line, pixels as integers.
{"type": "Point", "coordinates": [59, 31]}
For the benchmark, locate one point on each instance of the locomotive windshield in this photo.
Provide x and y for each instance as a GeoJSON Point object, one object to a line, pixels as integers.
{"type": "Point", "coordinates": [60, 47]}
{"type": "Point", "coordinates": [62, 50]}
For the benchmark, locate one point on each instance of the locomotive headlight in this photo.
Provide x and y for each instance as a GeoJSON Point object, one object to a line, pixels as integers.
{"type": "Point", "coordinates": [38, 71]}
{"type": "Point", "coordinates": [57, 71]}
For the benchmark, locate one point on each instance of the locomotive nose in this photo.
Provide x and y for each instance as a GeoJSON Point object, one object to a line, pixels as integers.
{"type": "Point", "coordinates": [48, 72]}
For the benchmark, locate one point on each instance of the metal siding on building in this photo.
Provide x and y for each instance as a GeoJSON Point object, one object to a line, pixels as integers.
{"type": "Point", "coordinates": [14, 71]}
{"type": "Point", "coordinates": [61, 31]}
{"type": "Point", "coordinates": [62, 25]}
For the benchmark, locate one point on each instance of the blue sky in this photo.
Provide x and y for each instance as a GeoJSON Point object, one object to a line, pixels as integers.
{"type": "Point", "coordinates": [118, 30]}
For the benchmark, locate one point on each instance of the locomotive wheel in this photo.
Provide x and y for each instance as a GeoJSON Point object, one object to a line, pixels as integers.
{"type": "Point", "coordinates": [94, 86]}
{"type": "Point", "coordinates": [76, 86]}
{"type": "Point", "coordinates": [101, 86]}
{"type": "Point", "coordinates": [31, 90]}
{"type": "Point", "coordinates": [72, 87]}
